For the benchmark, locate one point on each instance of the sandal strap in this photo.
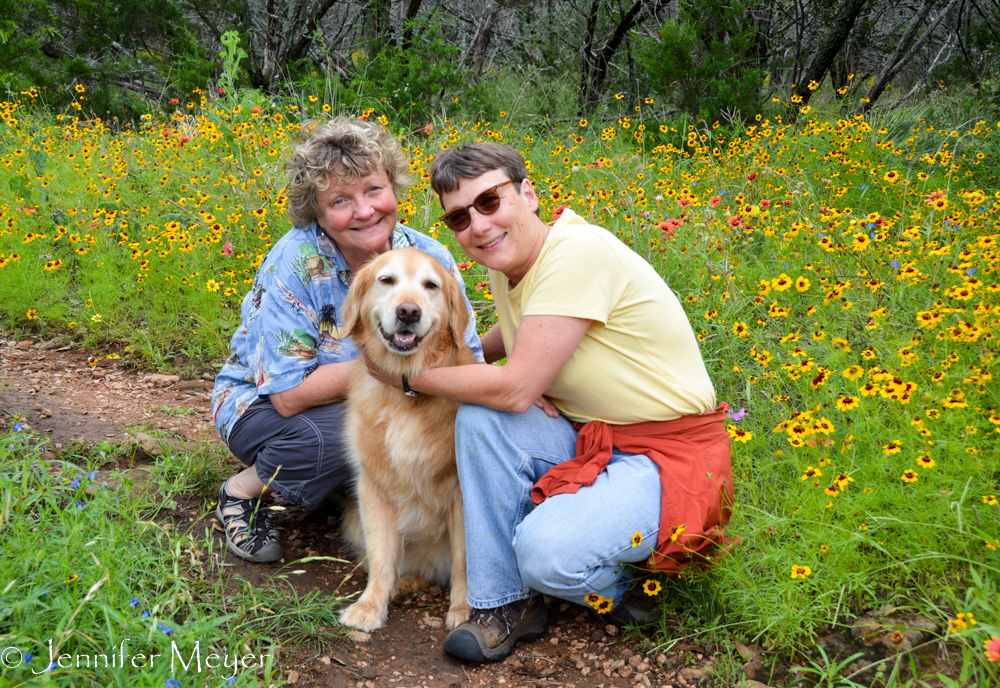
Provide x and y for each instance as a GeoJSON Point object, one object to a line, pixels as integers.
{"type": "Point", "coordinates": [252, 521]}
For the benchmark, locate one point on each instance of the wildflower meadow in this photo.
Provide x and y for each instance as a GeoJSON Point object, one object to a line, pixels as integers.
{"type": "Point", "coordinates": [841, 273]}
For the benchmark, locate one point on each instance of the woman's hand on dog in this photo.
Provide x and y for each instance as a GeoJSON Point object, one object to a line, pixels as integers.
{"type": "Point", "coordinates": [397, 381]}
{"type": "Point", "coordinates": [381, 375]}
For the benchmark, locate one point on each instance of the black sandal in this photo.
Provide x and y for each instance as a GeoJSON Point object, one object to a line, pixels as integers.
{"type": "Point", "coordinates": [249, 532]}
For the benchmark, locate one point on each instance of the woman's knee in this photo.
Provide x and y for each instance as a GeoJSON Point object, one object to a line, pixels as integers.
{"type": "Point", "coordinates": [545, 563]}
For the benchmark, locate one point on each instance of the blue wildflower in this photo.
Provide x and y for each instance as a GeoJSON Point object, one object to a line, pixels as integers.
{"type": "Point", "coordinates": [872, 235]}
{"type": "Point", "coordinates": [894, 264]}
{"type": "Point", "coordinates": [970, 272]}
{"type": "Point", "coordinates": [864, 186]}
{"type": "Point", "coordinates": [870, 225]}
{"type": "Point", "coordinates": [231, 681]}
{"type": "Point", "coordinates": [166, 629]}
{"type": "Point", "coordinates": [134, 602]}
{"type": "Point", "coordinates": [145, 613]}
{"type": "Point", "coordinates": [18, 426]}
{"type": "Point", "coordinates": [75, 484]}
{"type": "Point", "coordinates": [28, 657]}
{"type": "Point", "coordinates": [51, 666]}
{"type": "Point", "coordinates": [92, 475]}
{"type": "Point", "coordinates": [173, 683]}
{"type": "Point", "coordinates": [79, 504]}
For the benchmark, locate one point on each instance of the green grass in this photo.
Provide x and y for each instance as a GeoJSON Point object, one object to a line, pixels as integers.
{"type": "Point", "coordinates": [90, 563]}
{"type": "Point", "coordinates": [854, 321]}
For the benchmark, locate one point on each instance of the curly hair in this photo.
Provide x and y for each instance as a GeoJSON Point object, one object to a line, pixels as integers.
{"type": "Point", "coordinates": [340, 150]}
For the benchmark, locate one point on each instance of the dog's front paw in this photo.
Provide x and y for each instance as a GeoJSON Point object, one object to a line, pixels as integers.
{"type": "Point", "coordinates": [458, 614]}
{"type": "Point", "coordinates": [364, 616]}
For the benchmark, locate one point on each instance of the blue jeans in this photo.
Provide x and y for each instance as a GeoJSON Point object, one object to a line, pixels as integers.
{"type": "Point", "coordinates": [568, 546]}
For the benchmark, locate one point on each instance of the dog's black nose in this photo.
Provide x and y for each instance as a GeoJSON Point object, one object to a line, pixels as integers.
{"type": "Point", "coordinates": [408, 312]}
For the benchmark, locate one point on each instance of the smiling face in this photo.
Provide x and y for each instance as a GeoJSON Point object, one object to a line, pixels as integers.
{"type": "Point", "coordinates": [359, 216]}
{"type": "Point", "coordinates": [407, 300]}
{"type": "Point", "coordinates": [510, 239]}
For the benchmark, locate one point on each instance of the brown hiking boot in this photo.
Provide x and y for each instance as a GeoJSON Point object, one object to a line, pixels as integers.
{"type": "Point", "coordinates": [489, 634]}
{"type": "Point", "coordinates": [636, 608]}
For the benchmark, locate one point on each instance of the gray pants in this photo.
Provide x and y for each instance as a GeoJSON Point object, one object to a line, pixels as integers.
{"type": "Point", "coordinates": [302, 457]}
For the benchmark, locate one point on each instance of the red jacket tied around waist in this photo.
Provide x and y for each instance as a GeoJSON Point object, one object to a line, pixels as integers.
{"type": "Point", "coordinates": [696, 478]}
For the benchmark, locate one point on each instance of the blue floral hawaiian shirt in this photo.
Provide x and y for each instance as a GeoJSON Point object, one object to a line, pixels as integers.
{"type": "Point", "coordinates": [291, 319]}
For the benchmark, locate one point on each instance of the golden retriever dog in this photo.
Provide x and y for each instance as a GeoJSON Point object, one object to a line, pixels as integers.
{"type": "Point", "coordinates": [406, 314]}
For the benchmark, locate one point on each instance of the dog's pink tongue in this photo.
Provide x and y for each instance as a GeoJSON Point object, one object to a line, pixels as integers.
{"type": "Point", "coordinates": [404, 338]}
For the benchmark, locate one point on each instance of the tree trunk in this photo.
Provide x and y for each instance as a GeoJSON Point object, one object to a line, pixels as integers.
{"type": "Point", "coordinates": [895, 62]}
{"type": "Point", "coordinates": [588, 57]}
{"type": "Point", "coordinates": [411, 12]}
{"type": "Point", "coordinates": [481, 43]}
{"type": "Point", "coordinates": [633, 17]}
{"type": "Point", "coordinates": [378, 23]}
{"type": "Point", "coordinates": [827, 52]}
{"type": "Point", "coordinates": [298, 49]}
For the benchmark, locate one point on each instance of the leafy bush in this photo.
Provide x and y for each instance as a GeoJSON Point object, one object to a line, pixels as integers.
{"type": "Point", "coordinates": [704, 63]}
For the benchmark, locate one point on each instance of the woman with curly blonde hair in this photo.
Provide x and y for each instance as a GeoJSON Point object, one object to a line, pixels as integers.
{"type": "Point", "coordinates": [277, 402]}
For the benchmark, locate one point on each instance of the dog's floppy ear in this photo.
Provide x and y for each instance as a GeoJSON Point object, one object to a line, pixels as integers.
{"type": "Point", "coordinates": [354, 322]}
{"type": "Point", "coordinates": [458, 318]}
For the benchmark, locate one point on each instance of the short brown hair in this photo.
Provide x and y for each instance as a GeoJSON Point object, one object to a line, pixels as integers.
{"type": "Point", "coordinates": [473, 160]}
{"type": "Point", "coordinates": [339, 150]}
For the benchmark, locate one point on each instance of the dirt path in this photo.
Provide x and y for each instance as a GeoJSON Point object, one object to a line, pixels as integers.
{"type": "Point", "coordinates": [65, 398]}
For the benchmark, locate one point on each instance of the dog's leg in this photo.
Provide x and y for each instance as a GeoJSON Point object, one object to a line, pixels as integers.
{"type": "Point", "coordinates": [458, 611]}
{"type": "Point", "coordinates": [384, 546]}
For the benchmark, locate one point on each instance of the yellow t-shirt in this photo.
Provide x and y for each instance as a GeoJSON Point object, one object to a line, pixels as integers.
{"type": "Point", "coordinates": [639, 360]}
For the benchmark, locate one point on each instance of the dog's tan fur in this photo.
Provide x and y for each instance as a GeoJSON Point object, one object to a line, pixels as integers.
{"type": "Point", "coordinates": [409, 517]}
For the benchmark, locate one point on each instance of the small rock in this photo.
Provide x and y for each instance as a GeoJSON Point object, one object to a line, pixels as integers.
{"type": "Point", "coordinates": [432, 621]}
{"type": "Point", "coordinates": [369, 672]}
{"type": "Point", "coordinates": [148, 443]}
{"type": "Point", "coordinates": [691, 674]}
{"type": "Point", "coordinates": [564, 607]}
{"type": "Point", "coordinates": [208, 376]}
{"type": "Point", "coordinates": [45, 413]}
{"type": "Point", "coordinates": [359, 636]}
{"type": "Point", "coordinates": [611, 630]}
{"type": "Point", "coordinates": [25, 343]}
{"type": "Point", "coordinates": [584, 671]}
{"type": "Point", "coordinates": [661, 658]}
{"type": "Point", "coordinates": [52, 343]}
{"type": "Point", "coordinates": [161, 380]}
{"type": "Point", "coordinates": [293, 676]}
{"type": "Point", "coordinates": [434, 590]}
{"type": "Point", "coordinates": [191, 385]}
{"type": "Point", "coordinates": [98, 374]}
{"type": "Point", "coordinates": [41, 375]}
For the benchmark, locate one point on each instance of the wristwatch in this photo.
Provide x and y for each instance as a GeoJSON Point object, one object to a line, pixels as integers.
{"type": "Point", "coordinates": [406, 387]}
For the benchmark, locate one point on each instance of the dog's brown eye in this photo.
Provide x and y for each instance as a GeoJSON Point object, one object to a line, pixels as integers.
{"type": "Point", "coordinates": [387, 281]}
{"type": "Point", "coordinates": [431, 285]}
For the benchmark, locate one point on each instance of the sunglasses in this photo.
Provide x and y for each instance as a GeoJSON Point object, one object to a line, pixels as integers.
{"type": "Point", "coordinates": [486, 203]}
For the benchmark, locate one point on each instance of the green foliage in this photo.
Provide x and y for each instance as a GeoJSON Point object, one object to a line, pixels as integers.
{"type": "Point", "coordinates": [412, 82]}
{"type": "Point", "coordinates": [705, 63]}
{"type": "Point", "coordinates": [92, 560]}
{"type": "Point", "coordinates": [232, 55]}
